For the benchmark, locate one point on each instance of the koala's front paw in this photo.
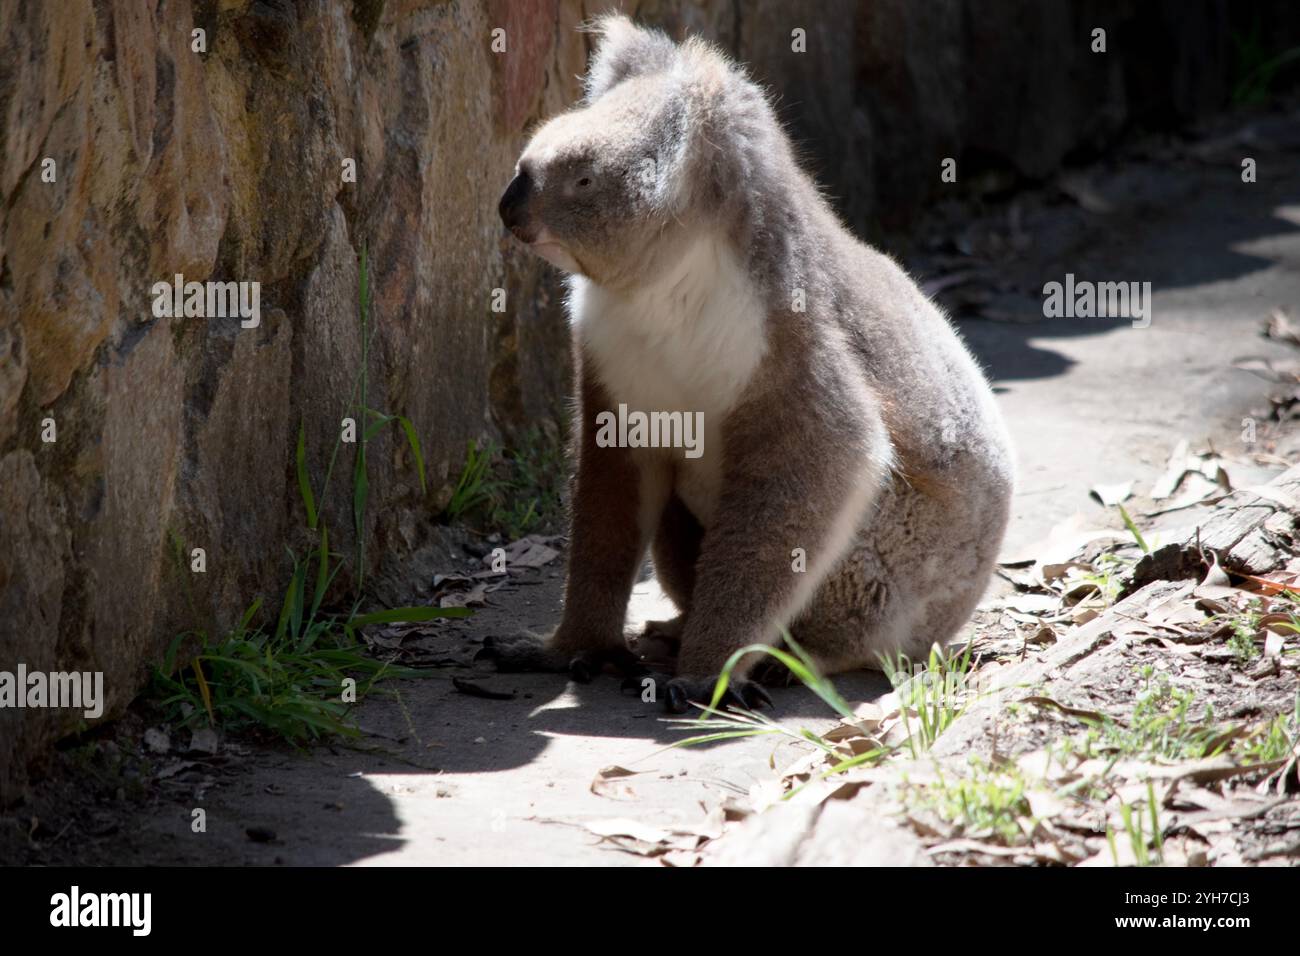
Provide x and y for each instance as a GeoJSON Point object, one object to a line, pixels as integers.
{"type": "Point", "coordinates": [528, 652]}
{"type": "Point", "coordinates": [522, 653]}
{"type": "Point", "coordinates": [685, 691]}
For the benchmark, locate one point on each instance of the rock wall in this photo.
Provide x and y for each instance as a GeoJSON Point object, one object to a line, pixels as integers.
{"type": "Point", "coordinates": [227, 163]}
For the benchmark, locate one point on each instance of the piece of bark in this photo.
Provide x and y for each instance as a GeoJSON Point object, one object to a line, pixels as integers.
{"type": "Point", "coordinates": [1254, 530]}
{"type": "Point", "coordinates": [1173, 562]}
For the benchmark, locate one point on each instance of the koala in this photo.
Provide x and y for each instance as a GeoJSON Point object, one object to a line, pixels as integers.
{"type": "Point", "coordinates": [855, 476]}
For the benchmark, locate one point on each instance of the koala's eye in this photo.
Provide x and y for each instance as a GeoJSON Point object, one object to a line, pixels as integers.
{"type": "Point", "coordinates": [584, 182]}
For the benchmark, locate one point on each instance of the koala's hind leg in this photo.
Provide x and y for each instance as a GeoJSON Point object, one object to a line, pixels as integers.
{"type": "Point", "coordinates": [675, 549]}
{"type": "Point", "coordinates": [914, 576]}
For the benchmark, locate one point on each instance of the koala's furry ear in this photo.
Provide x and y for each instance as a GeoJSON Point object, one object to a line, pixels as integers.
{"type": "Point", "coordinates": [624, 49]}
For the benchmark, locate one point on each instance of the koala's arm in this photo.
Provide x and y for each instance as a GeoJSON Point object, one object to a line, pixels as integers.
{"type": "Point", "coordinates": [614, 502]}
{"type": "Point", "coordinates": [606, 540]}
{"type": "Point", "coordinates": [801, 469]}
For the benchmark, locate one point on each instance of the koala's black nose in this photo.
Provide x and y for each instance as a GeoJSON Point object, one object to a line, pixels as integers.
{"type": "Point", "coordinates": [514, 200]}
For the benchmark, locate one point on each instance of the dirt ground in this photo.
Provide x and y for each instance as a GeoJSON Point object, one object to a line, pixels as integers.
{"type": "Point", "coordinates": [441, 775]}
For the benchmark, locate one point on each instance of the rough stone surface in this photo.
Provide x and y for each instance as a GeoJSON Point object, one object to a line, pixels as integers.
{"type": "Point", "coordinates": [227, 165]}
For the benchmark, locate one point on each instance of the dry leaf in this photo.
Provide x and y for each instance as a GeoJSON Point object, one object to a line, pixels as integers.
{"type": "Point", "coordinates": [1217, 585]}
{"type": "Point", "coordinates": [1112, 494]}
{"type": "Point", "coordinates": [1175, 468]}
{"type": "Point", "coordinates": [1032, 603]}
{"type": "Point", "coordinates": [1062, 543]}
{"type": "Point", "coordinates": [1051, 573]}
{"type": "Point", "coordinates": [1197, 489]}
{"type": "Point", "coordinates": [475, 596]}
{"type": "Point", "coordinates": [531, 551]}
{"type": "Point", "coordinates": [1091, 715]}
{"type": "Point", "coordinates": [606, 783]}
{"type": "Point", "coordinates": [643, 833]}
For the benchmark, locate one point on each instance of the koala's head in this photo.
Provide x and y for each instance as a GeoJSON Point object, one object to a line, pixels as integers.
{"type": "Point", "coordinates": [605, 189]}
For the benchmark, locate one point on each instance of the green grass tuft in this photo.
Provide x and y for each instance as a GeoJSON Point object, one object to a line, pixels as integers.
{"type": "Point", "coordinates": [938, 692]}
{"type": "Point", "coordinates": [512, 491]}
{"type": "Point", "coordinates": [299, 674]}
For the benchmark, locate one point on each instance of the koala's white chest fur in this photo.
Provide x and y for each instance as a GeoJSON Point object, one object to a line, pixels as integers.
{"type": "Point", "coordinates": [689, 341]}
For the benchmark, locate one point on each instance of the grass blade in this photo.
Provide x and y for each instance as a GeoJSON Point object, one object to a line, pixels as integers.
{"type": "Point", "coordinates": [413, 440]}
{"type": "Point", "coordinates": [1133, 530]}
{"type": "Point", "coordinates": [323, 577]}
{"type": "Point", "coordinates": [286, 609]}
{"type": "Point", "coordinates": [204, 691]}
{"type": "Point", "coordinates": [304, 481]}
{"type": "Point", "coordinates": [407, 614]}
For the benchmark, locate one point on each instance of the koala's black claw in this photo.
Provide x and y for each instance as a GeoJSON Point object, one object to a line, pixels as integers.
{"type": "Point", "coordinates": [584, 667]}
{"type": "Point", "coordinates": [755, 695]}
{"type": "Point", "coordinates": [682, 692]}
{"type": "Point", "coordinates": [580, 670]}
{"type": "Point", "coordinates": [677, 699]}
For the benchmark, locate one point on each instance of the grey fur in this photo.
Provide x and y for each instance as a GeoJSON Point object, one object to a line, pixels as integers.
{"type": "Point", "coordinates": [866, 435]}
